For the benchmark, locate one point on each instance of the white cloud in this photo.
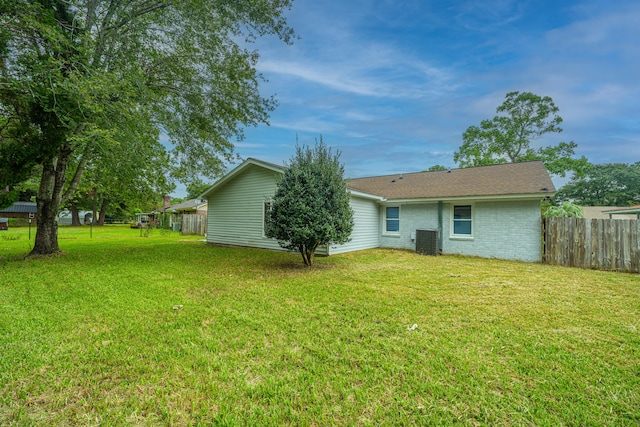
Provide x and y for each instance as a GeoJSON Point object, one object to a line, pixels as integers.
{"type": "Point", "coordinates": [369, 75]}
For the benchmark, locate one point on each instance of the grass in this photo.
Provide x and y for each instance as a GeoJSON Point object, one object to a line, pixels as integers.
{"type": "Point", "coordinates": [166, 330]}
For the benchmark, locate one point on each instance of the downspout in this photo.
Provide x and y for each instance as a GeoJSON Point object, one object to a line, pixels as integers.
{"type": "Point", "coordinates": [440, 228]}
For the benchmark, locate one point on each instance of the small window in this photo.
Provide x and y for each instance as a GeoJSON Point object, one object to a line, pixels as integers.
{"type": "Point", "coordinates": [265, 217]}
{"type": "Point", "coordinates": [462, 221]}
{"type": "Point", "coordinates": [392, 219]}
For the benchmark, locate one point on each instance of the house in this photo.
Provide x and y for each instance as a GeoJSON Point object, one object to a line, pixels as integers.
{"type": "Point", "coordinates": [191, 206]}
{"type": "Point", "coordinates": [488, 211]}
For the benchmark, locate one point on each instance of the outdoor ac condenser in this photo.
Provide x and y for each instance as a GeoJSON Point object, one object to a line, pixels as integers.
{"type": "Point", "coordinates": [427, 242]}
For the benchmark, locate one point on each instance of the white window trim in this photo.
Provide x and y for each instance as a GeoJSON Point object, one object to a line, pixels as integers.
{"type": "Point", "coordinates": [452, 235]}
{"type": "Point", "coordinates": [384, 221]}
{"type": "Point", "coordinates": [264, 216]}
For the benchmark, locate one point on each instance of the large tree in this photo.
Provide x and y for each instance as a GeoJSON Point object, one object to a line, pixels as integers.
{"type": "Point", "coordinates": [613, 184]}
{"type": "Point", "coordinates": [78, 77]}
{"type": "Point", "coordinates": [125, 176]}
{"type": "Point", "coordinates": [311, 204]}
{"type": "Point", "coordinates": [507, 138]}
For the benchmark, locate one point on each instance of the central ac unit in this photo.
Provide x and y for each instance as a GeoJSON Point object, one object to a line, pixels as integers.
{"type": "Point", "coordinates": [427, 242]}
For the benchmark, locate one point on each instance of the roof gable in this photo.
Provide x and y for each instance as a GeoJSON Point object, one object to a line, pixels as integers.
{"type": "Point", "coordinates": [510, 179]}
{"type": "Point", "coordinates": [250, 162]}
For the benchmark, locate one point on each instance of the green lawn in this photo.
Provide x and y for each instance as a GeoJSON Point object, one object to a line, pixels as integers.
{"type": "Point", "coordinates": [166, 330]}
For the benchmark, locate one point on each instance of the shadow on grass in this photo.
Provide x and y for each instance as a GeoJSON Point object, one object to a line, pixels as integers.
{"type": "Point", "coordinates": [285, 261]}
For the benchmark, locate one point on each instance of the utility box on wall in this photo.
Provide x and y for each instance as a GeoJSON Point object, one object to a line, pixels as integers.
{"type": "Point", "coordinates": [427, 242]}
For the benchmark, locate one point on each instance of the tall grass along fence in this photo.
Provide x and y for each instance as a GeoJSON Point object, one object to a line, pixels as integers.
{"type": "Point", "coordinates": [607, 244]}
{"type": "Point", "coordinates": [194, 224]}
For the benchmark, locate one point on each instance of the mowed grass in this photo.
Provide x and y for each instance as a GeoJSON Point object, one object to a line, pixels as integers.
{"type": "Point", "coordinates": [166, 330]}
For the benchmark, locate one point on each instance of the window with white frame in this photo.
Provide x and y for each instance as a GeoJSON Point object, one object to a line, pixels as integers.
{"type": "Point", "coordinates": [462, 219]}
{"type": "Point", "coordinates": [392, 219]}
{"type": "Point", "coordinates": [265, 216]}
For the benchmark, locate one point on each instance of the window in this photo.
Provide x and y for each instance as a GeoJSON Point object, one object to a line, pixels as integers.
{"type": "Point", "coordinates": [462, 221]}
{"type": "Point", "coordinates": [265, 216]}
{"type": "Point", "coordinates": [392, 219]}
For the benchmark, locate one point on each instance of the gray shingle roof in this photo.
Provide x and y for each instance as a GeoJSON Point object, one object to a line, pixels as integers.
{"type": "Point", "coordinates": [526, 178]}
{"type": "Point", "coordinates": [189, 204]}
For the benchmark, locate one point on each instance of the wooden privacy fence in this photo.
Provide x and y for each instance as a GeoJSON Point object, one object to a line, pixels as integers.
{"type": "Point", "coordinates": [194, 224]}
{"type": "Point", "coordinates": [607, 244]}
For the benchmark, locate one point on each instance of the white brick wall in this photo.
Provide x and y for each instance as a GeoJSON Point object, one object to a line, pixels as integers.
{"type": "Point", "coordinates": [412, 217]}
{"type": "Point", "coordinates": [505, 229]}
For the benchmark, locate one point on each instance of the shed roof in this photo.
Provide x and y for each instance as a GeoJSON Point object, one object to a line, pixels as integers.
{"type": "Point", "coordinates": [627, 210]}
{"type": "Point", "coordinates": [21, 207]}
{"type": "Point", "coordinates": [511, 179]}
{"type": "Point", "coordinates": [599, 212]}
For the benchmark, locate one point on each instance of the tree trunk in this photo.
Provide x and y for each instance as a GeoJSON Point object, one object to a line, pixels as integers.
{"type": "Point", "coordinates": [307, 255]}
{"type": "Point", "coordinates": [75, 214]}
{"type": "Point", "coordinates": [103, 211]}
{"type": "Point", "coordinates": [48, 203]}
{"type": "Point", "coordinates": [304, 257]}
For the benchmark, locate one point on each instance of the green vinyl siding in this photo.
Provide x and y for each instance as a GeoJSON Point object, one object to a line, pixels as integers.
{"type": "Point", "coordinates": [236, 210]}
{"type": "Point", "coordinates": [366, 233]}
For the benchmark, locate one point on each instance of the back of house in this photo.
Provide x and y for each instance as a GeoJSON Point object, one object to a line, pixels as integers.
{"type": "Point", "coordinates": [489, 211]}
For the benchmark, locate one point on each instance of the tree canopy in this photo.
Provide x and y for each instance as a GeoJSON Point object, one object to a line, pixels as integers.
{"type": "Point", "coordinates": [613, 184]}
{"type": "Point", "coordinates": [196, 188]}
{"type": "Point", "coordinates": [507, 138]}
{"type": "Point", "coordinates": [311, 204]}
{"type": "Point", "coordinates": [81, 77]}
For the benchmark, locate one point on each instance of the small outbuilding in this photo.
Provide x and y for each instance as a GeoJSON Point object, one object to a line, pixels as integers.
{"type": "Point", "coordinates": [22, 210]}
{"type": "Point", "coordinates": [4, 223]}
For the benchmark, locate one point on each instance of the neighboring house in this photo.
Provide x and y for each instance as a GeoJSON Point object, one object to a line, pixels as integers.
{"type": "Point", "coordinates": [191, 206]}
{"type": "Point", "coordinates": [24, 210]}
{"type": "Point", "coordinates": [489, 211]}
{"type": "Point", "coordinates": [194, 225]}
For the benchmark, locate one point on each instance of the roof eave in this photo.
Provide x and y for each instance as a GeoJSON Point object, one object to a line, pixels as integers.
{"type": "Point", "coordinates": [491, 197]}
{"type": "Point", "coordinates": [364, 195]}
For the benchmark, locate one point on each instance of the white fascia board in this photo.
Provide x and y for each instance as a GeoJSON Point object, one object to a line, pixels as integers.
{"type": "Point", "coordinates": [362, 195]}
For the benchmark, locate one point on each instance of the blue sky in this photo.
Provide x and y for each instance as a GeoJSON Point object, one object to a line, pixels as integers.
{"type": "Point", "coordinates": [393, 84]}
